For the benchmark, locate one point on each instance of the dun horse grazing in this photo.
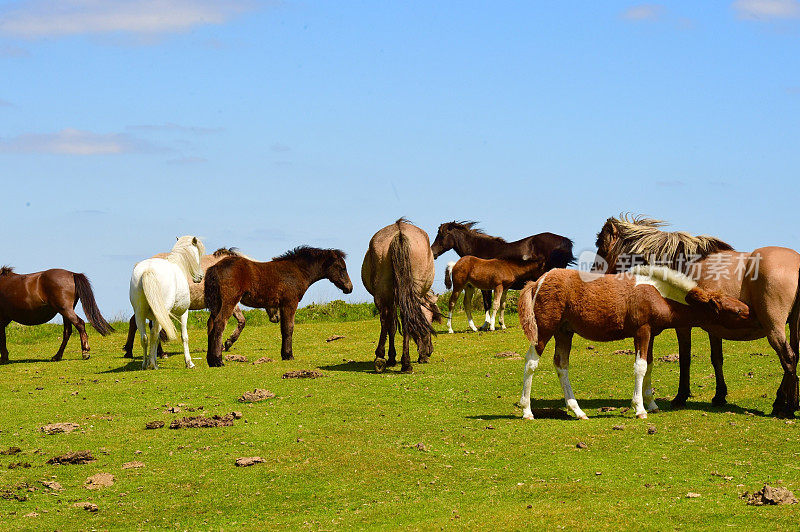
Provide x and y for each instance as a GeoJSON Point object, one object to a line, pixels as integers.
{"type": "Point", "coordinates": [554, 250]}
{"type": "Point", "coordinates": [398, 271]}
{"type": "Point", "coordinates": [767, 279]}
{"type": "Point", "coordinates": [197, 300]}
{"type": "Point", "coordinates": [159, 290]}
{"type": "Point", "coordinates": [275, 285]}
{"type": "Point", "coordinates": [603, 308]}
{"type": "Point", "coordinates": [35, 298]}
{"type": "Point", "coordinates": [499, 275]}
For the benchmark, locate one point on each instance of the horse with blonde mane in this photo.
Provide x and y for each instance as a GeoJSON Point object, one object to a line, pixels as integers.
{"type": "Point", "coordinates": [197, 300]}
{"type": "Point", "coordinates": [159, 290]}
{"type": "Point", "coordinates": [603, 308]}
{"type": "Point", "coordinates": [767, 279]}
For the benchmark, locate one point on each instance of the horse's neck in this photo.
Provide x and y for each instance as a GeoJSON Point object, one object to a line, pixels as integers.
{"type": "Point", "coordinates": [477, 246]}
{"type": "Point", "coordinates": [311, 272]}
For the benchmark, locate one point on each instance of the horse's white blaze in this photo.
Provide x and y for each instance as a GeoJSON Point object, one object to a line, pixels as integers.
{"type": "Point", "coordinates": [639, 371]}
{"type": "Point", "coordinates": [647, 390]}
{"type": "Point", "coordinates": [531, 363]}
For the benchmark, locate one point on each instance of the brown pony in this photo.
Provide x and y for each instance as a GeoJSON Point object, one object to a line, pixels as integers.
{"type": "Point", "coordinates": [602, 308]}
{"type": "Point", "coordinates": [35, 298]}
{"type": "Point", "coordinates": [499, 275]}
{"type": "Point", "coordinates": [465, 239]}
{"type": "Point", "coordinates": [398, 271]}
{"type": "Point", "coordinates": [766, 279]}
{"type": "Point", "coordinates": [198, 301]}
{"type": "Point", "coordinates": [275, 286]}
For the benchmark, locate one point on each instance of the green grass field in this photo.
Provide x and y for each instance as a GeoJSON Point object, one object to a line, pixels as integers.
{"type": "Point", "coordinates": [342, 451]}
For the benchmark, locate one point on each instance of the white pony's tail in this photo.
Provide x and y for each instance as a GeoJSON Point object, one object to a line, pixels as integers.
{"type": "Point", "coordinates": [527, 300]}
{"type": "Point", "coordinates": [152, 293]}
{"type": "Point", "coordinates": [448, 272]}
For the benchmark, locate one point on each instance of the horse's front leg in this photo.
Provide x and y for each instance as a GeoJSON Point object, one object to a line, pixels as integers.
{"type": "Point", "coordinates": [641, 342]}
{"type": "Point", "coordinates": [65, 338]}
{"type": "Point", "coordinates": [720, 395]}
{"type": "Point", "coordinates": [287, 329]}
{"type": "Point", "coordinates": [487, 304]}
{"type": "Point", "coordinates": [503, 310]}
{"type": "Point", "coordinates": [153, 345]}
{"type": "Point", "coordinates": [647, 384]}
{"type": "Point", "coordinates": [469, 293]}
{"type": "Point", "coordinates": [450, 306]}
{"type": "Point", "coordinates": [141, 326]}
{"type": "Point", "coordinates": [498, 295]}
{"type": "Point", "coordinates": [684, 335]}
{"type": "Point", "coordinates": [128, 347]}
{"type": "Point", "coordinates": [561, 362]}
{"type": "Point", "coordinates": [531, 363]}
{"type": "Point", "coordinates": [185, 339]}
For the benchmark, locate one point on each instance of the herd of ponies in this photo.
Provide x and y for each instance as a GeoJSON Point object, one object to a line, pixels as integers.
{"type": "Point", "coordinates": [645, 280]}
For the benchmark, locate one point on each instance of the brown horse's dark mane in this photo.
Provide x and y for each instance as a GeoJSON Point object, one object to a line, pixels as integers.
{"type": "Point", "coordinates": [6, 269]}
{"type": "Point", "coordinates": [468, 226]}
{"type": "Point", "coordinates": [226, 252]}
{"type": "Point", "coordinates": [310, 254]}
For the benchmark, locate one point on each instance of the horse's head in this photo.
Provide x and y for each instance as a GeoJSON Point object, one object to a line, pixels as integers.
{"type": "Point", "coordinates": [606, 242]}
{"type": "Point", "coordinates": [731, 312]}
{"type": "Point", "coordinates": [430, 309]}
{"type": "Point", "coordinates": [336, 271]}
{"type": "Point", "coordinates": [444, 241]}
{"type": "Point", "coordinates": [191, 249]}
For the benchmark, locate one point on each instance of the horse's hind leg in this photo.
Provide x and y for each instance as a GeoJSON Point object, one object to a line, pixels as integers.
{"type": "Point", "coordinates": [684, 336]}
{"type": "Point", "coordinates": [647, 384]}
{"type": "Point", "coordinates": [498, 295]}
{"type": "Point", "coordinates": [561, 361]}
{"type": "Point", "coordinates": [240, 323]}
{"type": "Point", "coordinates": [503, 310]}
{"type": "Point", "coordinates": [487, 304]}
{"type": "Point", "coordinates": [469, 292]}
{"type": "Point", "coordinates": [450, 306]}
{"type": "Point", "coordinates": [64, 340]}
{"type": "Point", "coordinates": [154, 341]}
{"type": "Point", "coordinates": [380, 351]}
{"type": "Point", "coordinates": [69, 316]}
{"type": "Point", "coordinates": [716, 361]}
{"type": "Point", "coordinates": [216, 328]}
{"type": "Point", "coordinates": [392, 331]}
{"type": "Point", "coordinates": [531, 363]}
{"type": "Point", "coordinates": [405, 360]}
{"type": "Point", "coordinates": [3, 348]}
{"type": "Point", "coordinates": [786, 400]}
{"type": "Point", "coordinates": [128, 347]}
{"type": "Point", "coordinates": [185, 339]}
{"type": "Point", "coordinates": [641, 343]}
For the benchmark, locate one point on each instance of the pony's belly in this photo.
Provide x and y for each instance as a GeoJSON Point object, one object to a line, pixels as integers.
{"type": "Point", "coordinates": [736, 334]}
{"type": "Point", "coordinates": [34, 316]}
{"type": "Point", "coordinates": [598, 334]}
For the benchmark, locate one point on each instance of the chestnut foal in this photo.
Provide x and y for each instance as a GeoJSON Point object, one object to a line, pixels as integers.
{"type": "Point", "coordinates": [638, 304]}
{"type": "Point", "coordinates": [499, 275]}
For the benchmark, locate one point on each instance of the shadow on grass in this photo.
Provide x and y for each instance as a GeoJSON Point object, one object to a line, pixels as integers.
{"type": "Point", "coordinates": [365, 367]}
{"type": "Point", "coordinates": [131, 365]}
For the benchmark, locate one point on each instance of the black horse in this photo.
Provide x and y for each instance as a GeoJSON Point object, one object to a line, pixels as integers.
{"type": "Point", "coordinates": [552, 249]}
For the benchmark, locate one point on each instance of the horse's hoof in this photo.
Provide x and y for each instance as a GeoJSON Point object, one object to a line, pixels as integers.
{"type": "Point", "coordinates": [423, 360]}
{"type": "Point", "coordinates": [55, 358]}
{"type": "Point", "coordinates": [392, 363]}
{"type": "Point", "coordinates": [643, 415]}
{"type": "Point", "coordinates": [719, 401]}
{"type": "Point", "coordinates": [654, 411]}
{"type": "Point", "coordinates": [450, 331]}
{"type": "Point", "coordinates": [380, 365]}
{"type": "Point", "coordinates": [491, 328]}
{"type": "Point", "coordinates": [290, 357]}
{"type": "Point", "coordinates": [408, 369]}
{"type": "Point", "coordinates": [678, 402]}
{"type": "Point", "coordinates": [584, 416]}
{"type": "Point", "coordinates": [527, 416]}
{"type": "Point", "coordinates": [85, 356]}
{"type": "Point", "coordinates": [227, 346]}
{"type": "Point", "coordinates": [782, 413]}
{"type": "Point", "coordinates": [6, 361]}
{"type": "Point", "coordinates": [127, 355]}
{"type": "Point", "coordinates": [503, 327]}
{"type": "Point", "coordinates": [190, 367]}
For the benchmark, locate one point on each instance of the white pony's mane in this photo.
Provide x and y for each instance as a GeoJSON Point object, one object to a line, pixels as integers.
{"type": "Point", "coordinates": [670, 283]}
{"type": "Point", "coordinates": [183, 256]}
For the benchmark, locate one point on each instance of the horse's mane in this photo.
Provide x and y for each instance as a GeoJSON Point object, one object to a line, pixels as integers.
{"type": "Point", "coordinates": [182, 255]}
{"type": "Point", "coordinates": [468, 226]}
{"type": "Point", "coordinates": [309, 254]}
{"type": "Point", "coordinates": [6, 269]}
{"type": "Point", "coordinates": [640, 235]}
{"type": "Point", "coordinates": [227, 252]}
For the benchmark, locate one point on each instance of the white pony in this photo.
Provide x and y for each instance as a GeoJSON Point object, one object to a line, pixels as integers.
{"type": "Point", "coordinates": [160, 290]}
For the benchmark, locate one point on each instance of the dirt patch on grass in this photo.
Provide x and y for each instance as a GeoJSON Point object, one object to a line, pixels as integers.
{"type": "Point", "coordinates": [263, 360]}
{"type": "Point", "coordinates": [623, 352]}
{"type": "Point", "coordinates": [672, 357]}
{"type": "Point", "coordinates": [302, 374]}
{"type": "Point", "coordinates": [508, 354]}
{"type": "Point", "coordinates": [236, 358]}
{"type": "Point", "coordinates": [203, 422]}
{"type": "Point", "coordinates": [88, 506]}
{"type": "Point", "coordinates": [23, 465]}
{"type": "Point", "coordinates": [52, 485]}
{"type": "Point", "coordinates": [133, 465]}
{"type": "Point", "coordinates": [334, 338]}
{"type": "Point", "coordinates": [59, 428]}
{"type": "Point", "coordinates": [154, 424]}
{"type": "Point", "coordinates": [74, 457]}
{"type": "Point", "coordinates": [11, 451]}
{"type": "Point", "coordinates": [769, 495]}
{"type": "Point", "coordinates": [100, 480]}
{"type": "Point", "coordinates": [247, 461]}
{"type": "Point", "coordinates": [256, 395]}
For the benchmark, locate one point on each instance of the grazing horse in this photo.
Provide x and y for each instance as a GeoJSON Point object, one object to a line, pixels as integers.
{"type": "Point", "coordinates": [398, 271]}
{"type": "Point", "coordinates": [275, 286]}
{"type": "Point", "coordinates": [159, 290]}
{"type": "Point", "coordinates": [463, 237]}
{"type": "Point", "coordinates": [35, 298]}
{"type": "Point", "coordinates": [499, 275]}
{"type": "Point", "coordinates": [639, 305]}
{"type": "Point", "coordinates": [767, 279]}
{"type": "Point", "coordinates": [197, 300]}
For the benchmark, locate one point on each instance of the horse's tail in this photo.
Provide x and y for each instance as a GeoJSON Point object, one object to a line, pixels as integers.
{"type": "Point", "coordinates": [83, 288]}
{"type": "Point", "coordinates": [412, 319]}
{"type": "Point", "coordinates": [155, 299]}
{"type": "Point", "coordinates": [211, 290]}
{"type": "Point", "coordinates": [527, 300]}
{"type": "Point", "coordinates": [448, 273]}
{"type": "Point", "coordinates": [562, 256]}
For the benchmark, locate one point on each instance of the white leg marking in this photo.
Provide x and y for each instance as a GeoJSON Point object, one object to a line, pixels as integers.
{"type": "Point", "coordinates": [639, 371]}
{"type": "Point", "coordinates": [486, 321]}
{"type": "Point", "coordinates": [647, 391]}
{"type": "Point", "coordinates": [531, 362]}
{"type": "Point", "coordinates": [569, 397]}
{"type": "Point", "coordinates": [450, 322]}
{"type": "Point", "coordinates": [185, 338]}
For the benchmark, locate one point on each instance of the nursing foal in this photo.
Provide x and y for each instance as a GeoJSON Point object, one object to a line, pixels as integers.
{"type": "Point", "coordinates": [499, 275]}
{"type": "Point", "coordinates": [638, 304]}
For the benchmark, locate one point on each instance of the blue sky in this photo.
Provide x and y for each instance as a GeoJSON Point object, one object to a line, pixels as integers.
{"type": "Point", "coordinates": [265, 125]}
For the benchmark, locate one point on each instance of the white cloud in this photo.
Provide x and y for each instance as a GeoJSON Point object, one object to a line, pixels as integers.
{"type": "Point", "coordinates": [54, 18]}
{"type": "Point", "coordinates": [643, 12]}
{"type": "Point", "coordinates": [76, 142]}
{"type": "Point", "coordinates": [767, 9]}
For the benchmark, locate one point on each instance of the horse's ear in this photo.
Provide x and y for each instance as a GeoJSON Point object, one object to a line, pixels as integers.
{"type": "Point", "coordinates": [194, 241]}
{"type": "Point", "coordinates": [177, 238]}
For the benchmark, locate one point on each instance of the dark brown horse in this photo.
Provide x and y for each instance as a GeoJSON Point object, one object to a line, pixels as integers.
{"type": "Point", "coordinates": [275, 286]}
{"type": "Point", "coordinates": [35, 298]}
{"type": "Point", "coordinates": [767, 279]}
{"type": "Point", "coordinates": [462, 237]}
{"type": "Point", "coordinates": [398, 271]}
{"type": "Point", "coordinates": [198, 301]}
